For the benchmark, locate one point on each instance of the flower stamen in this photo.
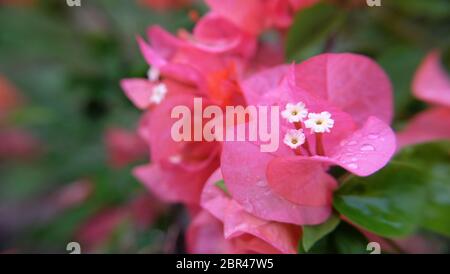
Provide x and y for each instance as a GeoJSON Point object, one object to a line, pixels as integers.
{"type": "Point", "coordinates": [319, 145]}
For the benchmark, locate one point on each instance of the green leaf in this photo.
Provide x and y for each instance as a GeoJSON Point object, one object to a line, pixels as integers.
{"type": "Point", "coordinates": [310, 30]}
{"type": "Point", "coordinates": [312, 234]}
{"type": "Point", "coordinates": [348, 240]}
{"type": "Point", "coordinates": [400, 198]}
{"type": "Point", "coordinates": [389, 203]}
{"type": "Point", "coordinates": [221, 184]}
{"type": "Point", "coordinates": [434, 157]}
{"type": "Point", "coordinates": [434, 9]}
{"type": "Point", "coordinates": [345, 239]}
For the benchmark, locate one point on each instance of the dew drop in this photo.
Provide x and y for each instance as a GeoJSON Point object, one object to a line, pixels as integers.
{"type": "Point", "coordinates": [353, 166]}
{"type": "Point", "coordinates": [367, 148]}
{"type": "Point", "coordinates": [352, 143]}
{"type": "Point", "coordinates": [373, 136]}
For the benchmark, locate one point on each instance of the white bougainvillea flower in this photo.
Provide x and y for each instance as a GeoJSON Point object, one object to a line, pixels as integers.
{"type": "Point", "coordinates": [319, 122]}
{"type": "Point", "coordinates": [294, 186]}
{"type": "Point", "coordinates": [295, 112]}
{"type": "Point", "coordinates": [294, 138]}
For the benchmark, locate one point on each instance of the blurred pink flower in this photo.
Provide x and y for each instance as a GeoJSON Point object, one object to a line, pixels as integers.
{"type": "Point", "coordinates": [209, 64]}
{"type": "Point", "coordinates": [255, 16]}
{"type": "Point", "coordinates": [410, 245]}
{"type": "Point", "coordinates": [142, 211]}
{"type": "Point", "coordinates": [15, 143]}
{"type": "Point", "coordinates": [71, 195]}
{"type": "Point", "coordinates": [99, 228]}
{"type": "Point", "coordinates": [432, 85]}
{"type": "Point", "coordinates": [352, 97]}
{"type": "Point", "coordinates": [225, 227]}
{"type": "Point", "coordinates": [124, 147]}
{"type": "Point", "coordinates": [10, 98]}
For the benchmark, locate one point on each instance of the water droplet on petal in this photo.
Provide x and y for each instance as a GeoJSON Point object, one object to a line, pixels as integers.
{"type": "Point", "coordinates": [353, 166]}
{"type": "Point", "coordinates": [354, 159]}
{"type": "Point", "coordinates": [367, 148]}
{"type": "Point", "coordinates": [352, 143]}
{"type": "Point", "coordinates": [373, 136]}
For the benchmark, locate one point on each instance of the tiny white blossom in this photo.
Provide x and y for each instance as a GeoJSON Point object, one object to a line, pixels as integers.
{"type": "Point", "coordinates": [295, 113]}
{"type": "Point", "coordinates": [294, 138]}
{"type": "Point", "coordinates": [319, 122]}
{"type": "Point", "coordinates": [158, 93]}
{"type": "Point", "coordinates": [153, 74]}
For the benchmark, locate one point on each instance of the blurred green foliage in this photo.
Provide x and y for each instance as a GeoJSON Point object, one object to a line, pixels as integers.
{"type": "Point", "coordinates": [67, 63]}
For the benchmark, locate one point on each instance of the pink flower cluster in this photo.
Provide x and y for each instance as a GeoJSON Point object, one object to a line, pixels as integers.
{"type": "Point", "coordinates": [337, 110]}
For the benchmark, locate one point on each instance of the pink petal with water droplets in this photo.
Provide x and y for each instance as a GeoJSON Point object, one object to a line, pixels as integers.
{"type": "Point", "coordinates": [244, 171]}
{"type": "Point", "coordinates": [282, 237]}
{"type": "Point", "coordinates": [365, 151]}
{"type": "Point", "coordinates": [351, 82]}
{"type": "Point", "coordinates": [301, 181]}
{"type": "Point", "coordinates": [275, 87]}
{"type": "Point", "coordinates": [427, 126]}
{"type": "Point", "coordinates": [432, 82]}
{"type": "Point", "coordinates": [266, 236]}
{"type": "Point", "coordinates": [214, 199]}
{"type": "Point", "coordinates": [138, 91]}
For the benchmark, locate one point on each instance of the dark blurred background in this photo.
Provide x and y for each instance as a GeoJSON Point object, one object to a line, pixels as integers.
{"type": "Point", "coordinates": [65, 125]}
